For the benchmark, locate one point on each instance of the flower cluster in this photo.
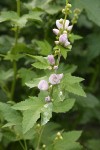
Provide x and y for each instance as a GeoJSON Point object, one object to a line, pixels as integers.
{"type": "Point", "coordinates": [53, 79]}
{"type": "Point", "coordinates": [62, 32]}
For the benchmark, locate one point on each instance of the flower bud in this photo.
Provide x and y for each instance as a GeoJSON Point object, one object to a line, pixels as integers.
{"type": "Point", "coordinates": [60, 76]}
{"type": "Point", "coordinates": [44, 146]}
{"type": "Point", "coordinates": [63, 38]}
{"type": "Point", "coordinates": [67, 43]}
{"type": "Point", "coordinates": [69, 5]}
{"type": "Point", "coordinates": [55, 67]}
{"type": "Point", "coordinates": [43, 85]}
{"type": "Point", "coordinates": [47, 99]}
{"type": "Point", "coordinates": [51, 59]}
{"type": "Point", "coordinates": [56, 31]}
{"type": "Point", "coordinates": [70, 28]}
{"type": "Point", "coordinates": [54, 79]}
{"type": "Point", "coordinates": [59, 24]}
{"type": "Point", "coordinates": [56, 42]}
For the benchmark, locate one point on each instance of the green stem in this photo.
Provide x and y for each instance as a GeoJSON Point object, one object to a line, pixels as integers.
{"type": "Point", "coordinates": [14, 61]}
{"type": "Point", "coordinates": [39, 139]}
{"type": "Point", "coordinates": [25, 145]}
{"type": "Point", "coordinates": [21, 145]}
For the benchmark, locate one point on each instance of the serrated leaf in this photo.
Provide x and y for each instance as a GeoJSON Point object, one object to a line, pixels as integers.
{"type": "Point", "coordinates": [31, 103]}
{"type": "Point", "coordinates": [91, 7]}
{"type": "Point", "coordinates": [63, 106]}
{"type": "Point", "coordinates": [63, 52]}
{"type": "Point", "coordinates": [26, 75]}
{"type": "Point", "coordinates": [9, 114]}
{"type": "Point", "coordinates": [29, 119]}
{"type": "Point", "coordinates": [35, 82]}
{"type": "Point", "coordinates": [75, 89]}
{"type": "Point", "coordinates": [69, 79]}
{"type": "Point", "coordinates": [33, 15]}
{"type": "Point", "coordinates": [45, 47]}
{"type": "Point", "coordinates": [46, 113]}
{"type": "Point", "coordinates": [8, 15]}
{"type": "Point", "coordinates": [90, 101]}
{"type": "Point", "coordinates": [69, 141]}
{"type": "Point", "coordinates": [5, 75]}
{"type": "Point", "coordinates": [40, 65]}
{"type": "Point", "coordinates": [75, 37]}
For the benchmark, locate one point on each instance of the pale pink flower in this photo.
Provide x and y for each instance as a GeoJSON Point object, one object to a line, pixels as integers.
{"type": "Point", "coordinates": [66, 43]}
{"type": "Point", "coordinates": [60, 76]}
{"type": "Point", "coordinates": [69, 28]}
{"type": "Point", "coordinates": [55, 78]}
{"type": "Point", "coordinates": [51, 59]}
{"type": "Point", "coordinates": [60, 25]}
{"type": "Point", "coordinates": [63, 38]}
{"type": "Point", "coordinates": [43, 85]}
{"type": "Point", "coordinates": [56, 31]}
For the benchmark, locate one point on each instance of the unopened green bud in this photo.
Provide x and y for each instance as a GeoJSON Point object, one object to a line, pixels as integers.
{"type": "Point", "coordinates": [63, 11]}
{"type": "Point", "coordinates": [58, 134]}
{"type": "Point", "coordinates": [38, 125]}
{"type": "Point", "coordinates": [60, 137]}
{"type": "Point", "coordinates": [56, 138]}
{"type": "Point", "coordinates": [69, 5]}
{"type": "Point", "coordinates": [77, 11]}
{"type": "Point", "coordinates": [44, 146]}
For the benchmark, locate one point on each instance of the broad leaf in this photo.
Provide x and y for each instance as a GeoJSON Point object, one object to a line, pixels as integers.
{"type": "Point", "coordinates": [63, 106]}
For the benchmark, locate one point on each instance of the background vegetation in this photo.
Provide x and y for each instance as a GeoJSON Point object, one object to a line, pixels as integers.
{"type": "Point", "coordinates": [36, 37]}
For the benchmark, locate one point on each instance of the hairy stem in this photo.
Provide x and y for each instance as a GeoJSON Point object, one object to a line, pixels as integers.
{"type": "Point", "coordinates": [39, 139]}
{"type": "Point", "coordinates": [14, 61]}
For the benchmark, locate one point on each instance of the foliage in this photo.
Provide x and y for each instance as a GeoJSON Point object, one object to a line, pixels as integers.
{"type": "Point", "coordinates": [65, 113]}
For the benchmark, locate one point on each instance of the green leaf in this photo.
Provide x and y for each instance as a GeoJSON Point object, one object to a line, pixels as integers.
{"type": "Point", "coordinates": [29, 118]}
{"type": "Point", "coordinates": [26, 75]}
{"type": "Point", "coordinates": [46, 113]}
{"type": "Point", "coordinates": [93, 144]}
{"type": "Point", "coordinates": [69, 141]}
{"type": "Point", "coordinates": [75, 89]}
{"type": "Point", "coordinates": [10, 115]}
{"type": "Point", "coordinates": [40, 65]}
{"type": "Point", "coordinates": [91, 7]}
{"type": "Point", "coordinates": [44, 47]}
{"type": "Point", "coordinates": [93, 48]}
{"type": "Point", "coordinates": [35, 82]}
{"type": "Point", "coordinates": [74, 37]}
{"type": "Point", "coordinates": [63, 106]}
{"type": "Point", "coordinates": [33, 15]}
{"type": "Point", "coordinates": [64, 51]}
{"type": "Point", "coordinates": [8, 15]}
{"type": "Point", "coordinates": [90, 101]}
{"type": "Point", "coordinates": [71, 84]}
{"type": "Point", "coordinates": [5, 75]}
{"type": "Point", "coordinates": [69, 79]}
{"type": "Point", "coordinates": [31, 103]}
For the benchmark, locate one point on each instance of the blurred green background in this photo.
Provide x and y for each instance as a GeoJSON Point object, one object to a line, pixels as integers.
{"type": "Point", "coordinates": [83, 60]}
